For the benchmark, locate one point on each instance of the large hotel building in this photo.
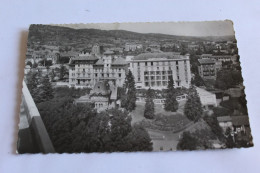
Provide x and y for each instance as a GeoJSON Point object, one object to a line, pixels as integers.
{"type": "Point", "coordinates": [152, 70]}
{"type": "Point", "coordinates": [88, 70]}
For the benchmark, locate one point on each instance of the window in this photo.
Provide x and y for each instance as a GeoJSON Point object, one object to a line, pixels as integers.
{"type": "Point", "coordinates": [139, 79]}
{"type": "Point", "coordinates": [151, 63]}
{"type": "Point", "coordinates": [157, 68]}
{"type": "Point", "coordinates": [146, 84]}
{"type": "Point", "coordinates": [138, 64]}
{"type": "Point", "coordinates": [119, 74]}
{"type": "Point", "coordinates": [177, 68]}
{"type": "Point", "coordinates": [96, 74]}
{"type": "Point", "coordinates": [177, 62]}
{"type": "Point", "coordinates": [107, 75]}
{"type": "Point", "coordinates": [145, 63]}
{"type": "Point", "coordinates": [83, 70]}
{"type": "Point", "coordinates": [102, 74]}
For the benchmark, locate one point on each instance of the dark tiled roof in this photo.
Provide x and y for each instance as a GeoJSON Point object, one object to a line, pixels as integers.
{"type": "Point", "coordinates": [86, 58]}
{"type": "Point", "coordinates": [168, 55]}
{"type": "Point", "coordinates": [240, 120]}
{"type": "Point", "coordinates": [206, 61]}
{"type": "Point", "coordinates": [119, 61]}
{"type": "Point", "coordinates": [224, 119]}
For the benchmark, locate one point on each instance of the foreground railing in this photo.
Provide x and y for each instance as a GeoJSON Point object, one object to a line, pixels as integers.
{"type": "Point", "coordinates": [36, 133]}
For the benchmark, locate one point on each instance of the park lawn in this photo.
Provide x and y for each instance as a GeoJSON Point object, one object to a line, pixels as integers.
{"type": "Point", "coordinates": [138, 113]}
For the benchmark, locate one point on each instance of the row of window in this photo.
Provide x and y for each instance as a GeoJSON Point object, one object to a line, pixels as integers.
{"type": "Point", "coordinates": [158, 84]}
{"type": "Point", "coordinates": [96, 75]}
{"type": "Point", "coordinates": [157, 72]}
{"type": "Point", "coordinates": [157, 63]}
{"type": "Point", "coordinates": [96, 70]}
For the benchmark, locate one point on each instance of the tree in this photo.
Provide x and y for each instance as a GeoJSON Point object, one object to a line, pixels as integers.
{"type": "Point", "coordinates": [228, 78]}
{"type": "Point", "coordinates": [193, 108]}
{"type": "Point", "coordinates": [187, 142]}
{"type": "Point", "coordinates": [75, 128]}
{"type": "Point", "coordinates": [230, 143]}
{"type": "Point", "coordinates": [197, 81]}
{"type": "Point", "coordinates": [29, 63]}
{"type": "Point", "coordinates": [32, 83]}
{"type": "Point", "coordinates": [139, 140]}
{"type": "Point", "coordinates": [214, 125]}
{"type": "Point", "coordinates": [62, 71]}
{"type": "Point", "coordinates": [35, 65]}
{"type": "Point", "coordinates": [171, 103]}
{"type": "Point", "coordinates": [129, 86]}
{"type": "Point", "coordinates": [149, 105]}
{"type": "Point", "coordinates": [46, 90]}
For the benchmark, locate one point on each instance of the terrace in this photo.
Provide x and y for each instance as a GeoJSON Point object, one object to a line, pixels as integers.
{"type": "Point", "coordinates": [33, 136]}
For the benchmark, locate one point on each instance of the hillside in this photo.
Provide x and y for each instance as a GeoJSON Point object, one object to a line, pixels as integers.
{"type": "Point", "coordinates": [64, 36]}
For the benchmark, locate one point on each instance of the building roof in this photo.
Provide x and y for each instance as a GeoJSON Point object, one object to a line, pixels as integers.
{"type": "Point", "coordinates": [68, 54]}
{"type": "Point", "coordinates": [206, 61]}
{"type": "Point", "coordinates": [108, 52]}
{"type": "Point", "coordinates": [240, 120]}
{"type": "Point", "coordinates": [206, 55]}
{"type": "Point", "coordinates": [203, 92]}
{"type": "Point", "coordinates": [86, 58]}
{"type": "Point", "coordinates": [100, 88]}
{"type": "Point", "coordinates": [119, 61]}
{"type": "Point", "coordinates": [84, 98]}
{"type": "Point", "coordinates": [224, 119]}
{"type": "Point", "coordinates": [99, 62]}
{"type": "Point", "coordinates": [167, 55]}
{"type": "Point", "coordinates": [113, 95]}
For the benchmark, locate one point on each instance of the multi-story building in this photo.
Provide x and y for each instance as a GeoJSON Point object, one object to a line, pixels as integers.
{"type": "Point", "coordinates": [222, 58]}
{"type": "Point", "coordinates": [130, 47]}
{"type": "Point", "coordinates": [207, 68]}
{"type": "Point", "coordinates": [152, 70]}
{"type": "Point", "coordinates": [95, 50]}
{"type": "Point", "coordinates": [88, 70]}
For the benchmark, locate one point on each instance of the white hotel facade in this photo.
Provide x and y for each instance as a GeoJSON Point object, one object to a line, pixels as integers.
{"type": "Point", "coordinates": [152, 70]}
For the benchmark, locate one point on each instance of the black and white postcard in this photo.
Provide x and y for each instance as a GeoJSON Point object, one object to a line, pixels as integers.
{"type": "Point", "coordinates": [128, 87]}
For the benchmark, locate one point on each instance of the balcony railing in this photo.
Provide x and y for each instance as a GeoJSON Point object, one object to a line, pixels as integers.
{"type": "Point", "coordinates": [33, 136]}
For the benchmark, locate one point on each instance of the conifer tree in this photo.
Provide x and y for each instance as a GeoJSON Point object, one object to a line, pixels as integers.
{"type": "Point", "coordinates": [149, 105]}
{"type": "Point", "coordinates": [193, 107]}
{"type": "Point", "coordinates": [32, 84]}
{"type": "Point", "coordinates": [171, 103]}
{"type": "Point", "coordinates": [129, 101]}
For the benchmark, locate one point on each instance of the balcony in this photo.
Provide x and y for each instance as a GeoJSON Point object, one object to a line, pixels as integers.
{"type": "Point", "coordinates": [33, 136]}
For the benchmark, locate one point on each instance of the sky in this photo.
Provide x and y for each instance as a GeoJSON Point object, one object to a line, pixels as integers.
{"type": "Point", "coordinates": [209, 28]}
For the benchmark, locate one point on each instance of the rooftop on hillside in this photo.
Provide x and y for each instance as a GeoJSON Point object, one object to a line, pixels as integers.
{"type": "Point", "coordinates": [167, 55]}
